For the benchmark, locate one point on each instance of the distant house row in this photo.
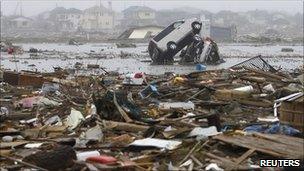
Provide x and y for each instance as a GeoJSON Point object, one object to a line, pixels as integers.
{"type": "Point", "coordinates": [134, 22]}
{"type": "Point", "coordinates": [96, 18]}
{"type": "Point", "coordinates": [16, 22]}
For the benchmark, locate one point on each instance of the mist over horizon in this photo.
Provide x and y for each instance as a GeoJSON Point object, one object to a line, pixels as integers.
{"type": "Point", "coordinates": [31, 8]}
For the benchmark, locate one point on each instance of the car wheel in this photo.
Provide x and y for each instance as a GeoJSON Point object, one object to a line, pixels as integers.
{"type": "Point", "coordinates": [197, 38]}
{"type": "Point", "coordinates": [171, 46]}
{"type": "Point", "coordinates": [196, 26]}
{"type": "Point", "coordinates": [155, 54]}
{"type": "Point", "coordinates": [170, 61]}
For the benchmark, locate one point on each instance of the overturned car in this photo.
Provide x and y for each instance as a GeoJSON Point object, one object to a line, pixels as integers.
{"type": "Point", "coordinates": [204, 51]}
{"type": "Point", "coordinates": [178, 35]}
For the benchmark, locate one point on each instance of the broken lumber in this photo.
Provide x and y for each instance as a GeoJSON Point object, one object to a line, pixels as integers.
{"type": "Point", "coordinates": [122, 126]}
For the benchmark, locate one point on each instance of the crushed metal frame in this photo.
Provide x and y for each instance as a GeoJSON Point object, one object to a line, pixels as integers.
{"type": "Point", "coordinates": [256, 63]}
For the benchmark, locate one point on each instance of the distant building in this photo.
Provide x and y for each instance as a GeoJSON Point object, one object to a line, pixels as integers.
{"type": "Point", "coordinates": [97, 18]}
{"type": "Point", "coordinates": [223, 33]}
{"type": "Point", "coordinates": [118, 19]}
{"type": "Point", "coordinates": [22, 22]}
{"type": "Point", "coordinates": [138, 16]}
{"type": "Point", "coordinates": [205, 31]}
{"type": "Point", "coordinates": [42, 22]}
{"type": "Point", "coordinates": [142, 32]}
{"type": "Point", "coordinates": [18, 22]}
{"type": "Point", "coordinates": [66, 19]}
{"type": "Point", "coordinates": [4, 23]}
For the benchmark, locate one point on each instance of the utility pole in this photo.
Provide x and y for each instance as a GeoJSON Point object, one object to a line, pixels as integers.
{"type": "Point", "coordinates": [110, 5]}
{"type": "Point", "coordinates": [20, 8]}
{"type": "Point", "coordinates": [16, 8]}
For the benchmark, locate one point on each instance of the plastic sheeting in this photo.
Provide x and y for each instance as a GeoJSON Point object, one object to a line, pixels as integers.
{"type": "Point", "coordinates": [276, 128]}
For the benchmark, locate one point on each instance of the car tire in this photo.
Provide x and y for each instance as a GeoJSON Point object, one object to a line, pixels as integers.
{"type": "Point", "coordinates": [196, 26]}
{"type": "Point", "coordinates": [171, 46]}
{"type": "Point", "coordinates": [155, 55]}
{"type": "Point", "coordinates": [197, 38]}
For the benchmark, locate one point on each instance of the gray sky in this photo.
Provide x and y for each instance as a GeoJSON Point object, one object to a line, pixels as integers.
{"type": "Point", "coordinates": [33, 7]}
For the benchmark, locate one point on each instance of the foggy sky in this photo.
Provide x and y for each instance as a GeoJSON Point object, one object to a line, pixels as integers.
{"type": "Point", "coordinates": [34, 7]}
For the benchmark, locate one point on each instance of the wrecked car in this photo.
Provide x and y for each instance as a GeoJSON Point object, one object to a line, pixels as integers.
{"type": "Point", "coordinates": [183, 36]}
{"type": "Point", "coordinates": [210, 53]}
{"type": "Point", "coordinates": [201, 51]}
{"type": "Point", "coordinates": [192, 53]}
{"type": "Point", "coordinates": [165, 45]}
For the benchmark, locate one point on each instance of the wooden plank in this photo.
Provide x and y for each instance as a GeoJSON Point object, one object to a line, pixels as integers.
{"type": "Point", "coordinates": [120, 110]}
{"type": "Point", "coordinates": [196, 94]}
{"type": "Point", "coordinates": [273, 148]}
{"type": "Point", "coordinates": [122, 126]}
{"type": "Point", "coordinates": [254, 79]}
{"type": "Point", "coordinates": [226, 163]}
{"type": "Point", "coordinates": [265, 74]}
{"type": "Point", "coordinates": [190, 152]}
{"type": "Point", "coordinates": [254, 103]}
{"type": "Point", "coordinates": [196, 160]}
{"type": "Point", "coordinates": [248, 143]}
{"type": "Point", "coordinates": [4, 145]}
{"type": "Point", "coordinates": [242, 158]}
{"type": "Point", "coordinates": [24, 163]}
{"type": "Point", "coordinates": [281, 139]}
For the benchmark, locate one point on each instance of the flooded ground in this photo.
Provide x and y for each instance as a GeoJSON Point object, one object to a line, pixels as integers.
{"type": "Point", "coordinates": [233, 53]}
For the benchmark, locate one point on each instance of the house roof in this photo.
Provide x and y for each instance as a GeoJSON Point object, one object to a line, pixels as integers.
{"type": "Point", "coordinates": [58, 10]}
{"type": "Point", "coordinates": [137, 9]}
{"type": "Point", "coordinates": [97, 9]}
{"type": "Point", "coordinates": [147, 27]}
{"type": "Point", "coordinates": [21, 18]}
{"type": "Point", "coordinates": [62, 10]}
{"type": "Point", "coordinates": [74, 11]}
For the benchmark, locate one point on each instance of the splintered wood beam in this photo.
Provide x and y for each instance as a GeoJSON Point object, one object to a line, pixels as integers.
{"type": "Point", "coordinates": [122, 126]}
{"type": "Point", "coordinates": [274, 145]}
{"type": "Point", "coordinates": [24, 163]}
{"type": "Point", "coordinates": [242, 158]}
{"type": "Point", "coordinates": [121, 111]}
{"type": "Point", "coordinates": [226, 163]}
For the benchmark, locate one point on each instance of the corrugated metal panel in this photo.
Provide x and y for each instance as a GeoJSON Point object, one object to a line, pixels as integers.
{"type": "Point", "coordinates": [256, 63]}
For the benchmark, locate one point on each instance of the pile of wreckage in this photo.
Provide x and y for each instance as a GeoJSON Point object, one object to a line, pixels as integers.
{"type": "Point", "coordinates": [225, 119]}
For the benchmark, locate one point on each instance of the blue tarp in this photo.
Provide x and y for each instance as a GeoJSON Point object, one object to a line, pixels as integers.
{"type": "Point", "coordinates": [275, 128]}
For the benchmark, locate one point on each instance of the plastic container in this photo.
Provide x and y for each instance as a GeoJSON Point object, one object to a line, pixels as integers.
{"type": "Point", "coordinates": [200, 67]}
{"type": "Point", "coordinates": [82, 156]}
{"type": "Point", "coordinates": [248, 89]}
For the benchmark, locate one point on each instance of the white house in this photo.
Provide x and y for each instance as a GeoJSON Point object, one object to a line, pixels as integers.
{"type": "Point", "coordinates": [139, 16]}
{"type": "Point", "coordinates": [21, 22]}
{"type": "Point", "coordinates": [97, 18]}
{"type": "Point", "coordinates": [66, 19]}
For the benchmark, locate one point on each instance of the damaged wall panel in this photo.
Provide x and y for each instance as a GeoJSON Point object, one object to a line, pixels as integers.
{"type": "Point", "coordinates": [292, 112]}
{"type": "Point", "coordinates": [23, 79]}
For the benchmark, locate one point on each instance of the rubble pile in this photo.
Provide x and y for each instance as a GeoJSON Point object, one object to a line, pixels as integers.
{"type": "Point", "coordinates": [225, 119]}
